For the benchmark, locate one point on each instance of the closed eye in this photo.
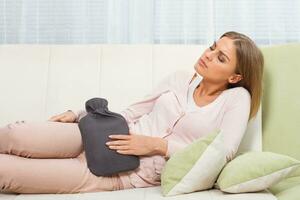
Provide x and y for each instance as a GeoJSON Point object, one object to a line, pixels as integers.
{"type": "Point", "coordinates": [220, 57]}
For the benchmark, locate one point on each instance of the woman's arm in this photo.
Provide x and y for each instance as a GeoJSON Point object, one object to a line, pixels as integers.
{"type": "Point", "coordinates": [133, 112]}
{"type": "Point", "coordinates": [138, 145]}
{"type": "Point", "coordinates": [235, 121]}
{"type": "Point", "coordinates": [161, 146]}
{"type": "Point", "coordinates": [79, 114]}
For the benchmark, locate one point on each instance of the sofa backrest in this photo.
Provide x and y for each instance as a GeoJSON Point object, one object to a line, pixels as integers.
{"type": "Point", "coordinates": [281, 100]}
{"type": "Point", "coordinates": [38, 81]}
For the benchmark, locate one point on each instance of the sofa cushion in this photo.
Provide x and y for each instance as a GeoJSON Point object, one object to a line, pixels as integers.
{"type": "Point", "coordinates": [281, 106]}
{"type": "Point", "coordinates": [285, 184]}
{"type": "Point", "coordinates": [255, 171]}
{"type": "Point", "coordinates": [280, 102]}
{"type": "Point", "coordinates": [291, 193]}
{"type": "Point", "coordinates": [196, 167]}
{"type": "Point", "coordinates": [144, 194]}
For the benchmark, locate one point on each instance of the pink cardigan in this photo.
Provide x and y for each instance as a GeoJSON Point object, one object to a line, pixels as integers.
{"type": "Point", "coordinates": [163, 113]}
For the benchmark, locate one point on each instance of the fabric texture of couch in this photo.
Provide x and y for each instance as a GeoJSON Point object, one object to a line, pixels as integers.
{"type": "Point", "coordinates": [281, 111]}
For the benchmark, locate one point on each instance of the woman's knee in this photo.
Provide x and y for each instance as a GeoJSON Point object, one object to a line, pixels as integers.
{"type": "Point", "coordinates": [9, 135]}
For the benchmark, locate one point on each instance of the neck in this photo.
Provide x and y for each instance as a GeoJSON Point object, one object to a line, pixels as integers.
{"type": "Point", "coordinates": [207, 88]}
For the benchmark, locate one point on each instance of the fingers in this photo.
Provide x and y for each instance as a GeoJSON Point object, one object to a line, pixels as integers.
{"type": "Point", "coordinates": [122, 144]}
{"type": "Point", "coordinates": [126, 152]}
{"type": "Point", "coordinates": [118, 142]}
{"type": "Point", "coordinates": [54, 118]}
{"type": "Point", "coordinates": [122, 149]}
{"type": "Point", "coordinates": [119, 147]}
{"type": "Point", "coordinates": [120, 137]}
{"type": "Point", "coordinates": [59, 118]}
{"type": "Point", "coordinates": [64, 118]}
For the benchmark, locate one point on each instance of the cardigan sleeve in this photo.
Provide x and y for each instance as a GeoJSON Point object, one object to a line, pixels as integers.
{"type": "Point", "coordinates": [136, 110]}
{"type": "Point", "coordinates": [79, 114]}
{"type": "Point", "coordinates": [235, 121]}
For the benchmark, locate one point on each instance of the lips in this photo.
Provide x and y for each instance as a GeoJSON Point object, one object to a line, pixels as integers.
{"type": "Point", "coordinates": [201, 62]}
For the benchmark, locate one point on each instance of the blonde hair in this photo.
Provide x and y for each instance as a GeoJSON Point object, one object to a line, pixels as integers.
{"type": "Point", "coordinates": [250, 64]}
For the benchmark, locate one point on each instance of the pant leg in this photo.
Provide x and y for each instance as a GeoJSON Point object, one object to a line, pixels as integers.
{"type": "Point", "coordinates": [68, 175]}
{"type": "Point", "coordinates": [41, 139]}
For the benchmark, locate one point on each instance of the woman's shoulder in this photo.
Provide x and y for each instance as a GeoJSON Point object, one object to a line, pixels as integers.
{"type": "Point", "coordinates": [239, 94]}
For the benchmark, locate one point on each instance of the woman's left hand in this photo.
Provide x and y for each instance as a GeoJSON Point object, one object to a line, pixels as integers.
{"type": "Point", "coordinates": [134, 144]}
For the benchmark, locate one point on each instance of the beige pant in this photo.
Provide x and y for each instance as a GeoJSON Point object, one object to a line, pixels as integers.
{"type": "Point", "coordinates": [47, 157]}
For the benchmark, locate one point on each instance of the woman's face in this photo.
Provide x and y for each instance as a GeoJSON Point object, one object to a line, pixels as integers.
{"type": "Point", "coordinates": [219, 62]}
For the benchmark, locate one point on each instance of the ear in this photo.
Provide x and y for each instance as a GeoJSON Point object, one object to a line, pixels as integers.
{"type": "Point", "coordinates": [235, 78]}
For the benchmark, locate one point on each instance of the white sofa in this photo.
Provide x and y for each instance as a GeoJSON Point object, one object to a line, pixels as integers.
{"type": "Point", "coordinates": [38, 81]}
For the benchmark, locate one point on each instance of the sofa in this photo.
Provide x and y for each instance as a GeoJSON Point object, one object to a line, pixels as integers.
{"type": "Point", "coordinates": [38, 81]}
{"type": "Point", "coordinates": [281, 111]}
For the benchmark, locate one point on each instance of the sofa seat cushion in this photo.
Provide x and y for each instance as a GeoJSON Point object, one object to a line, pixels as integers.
{"type": "Point", "coordinates": [145, 194]}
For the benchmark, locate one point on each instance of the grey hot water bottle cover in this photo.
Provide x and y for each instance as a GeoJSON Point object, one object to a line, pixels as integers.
{"type": "Point", "coordinates": [95, 128]}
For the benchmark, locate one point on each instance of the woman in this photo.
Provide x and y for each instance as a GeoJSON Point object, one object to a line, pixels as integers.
{"type": "Point", "coordinates": [224, 92]}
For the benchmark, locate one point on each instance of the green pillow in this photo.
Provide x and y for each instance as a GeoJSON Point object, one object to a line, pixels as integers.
{"type": "Point", "coordinates": [255, 171]}
{"type": "Point", "coordinates": [196, 167]}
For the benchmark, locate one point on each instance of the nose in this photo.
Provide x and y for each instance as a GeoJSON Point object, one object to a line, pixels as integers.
{"type": "Point", "coordinates": [209, 55]}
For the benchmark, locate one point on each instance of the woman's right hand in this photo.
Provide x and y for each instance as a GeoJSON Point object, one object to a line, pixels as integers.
{"type": "Point", "coordinates": [67, 116]}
